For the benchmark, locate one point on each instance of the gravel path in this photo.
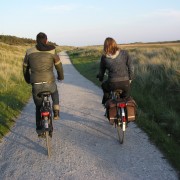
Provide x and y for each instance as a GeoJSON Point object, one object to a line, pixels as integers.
{"type": "Point", "coordinates": [85, 145]}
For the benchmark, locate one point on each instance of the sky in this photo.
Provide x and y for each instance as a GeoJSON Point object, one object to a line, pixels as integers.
{"type": "Point", "coordinates": [84, 23]}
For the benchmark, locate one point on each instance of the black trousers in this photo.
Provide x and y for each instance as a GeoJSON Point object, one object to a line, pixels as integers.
{"type": "Point", "coordinates": [111, 86]}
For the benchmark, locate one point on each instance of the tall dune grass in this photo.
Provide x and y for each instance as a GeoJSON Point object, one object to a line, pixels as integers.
{"type": "Point", "coordinates": [158, 78]}
{"type": "Point", "coordinates": [14, 92]}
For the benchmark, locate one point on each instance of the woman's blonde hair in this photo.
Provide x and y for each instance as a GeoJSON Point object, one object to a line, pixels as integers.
{"type": "Point", "coordinates": [110, 46]}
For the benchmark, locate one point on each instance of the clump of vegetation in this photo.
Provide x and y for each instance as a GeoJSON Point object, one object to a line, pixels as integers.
{"type": "Point", "coordinates": [158, 79]}
{"type": "Point", "coordinates": [13, 40]}
{"type": "Point", "coordinates": [14, 92]}
{"type": "Point", "coordinates": [64, 48]}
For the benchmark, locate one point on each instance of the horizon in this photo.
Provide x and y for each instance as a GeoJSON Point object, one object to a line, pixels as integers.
{"type": "Point", "coordinates": [132, 43]}
{"type": "Point", "coordinates": [80, 23]}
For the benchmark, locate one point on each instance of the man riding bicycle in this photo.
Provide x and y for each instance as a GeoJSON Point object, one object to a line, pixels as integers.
{"type": "Point", "coordinates": [38, 71]}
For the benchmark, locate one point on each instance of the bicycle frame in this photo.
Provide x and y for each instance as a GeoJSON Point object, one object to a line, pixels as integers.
{"type": "Point", "coordinates": [121, 117]}
{"type": "Point", "coordinates": [121, 114]}
{"type": "Point", "coordinates": [46, 113]}
{"type": "Point", "coordinates": [46, 119]}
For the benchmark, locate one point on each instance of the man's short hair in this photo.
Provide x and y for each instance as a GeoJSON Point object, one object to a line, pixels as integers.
{"type": "Point", "coordinates": [41, 37]}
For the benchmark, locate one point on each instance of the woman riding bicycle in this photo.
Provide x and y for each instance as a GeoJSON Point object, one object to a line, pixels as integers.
{"type": "Point", "coordinates": [120, 69]}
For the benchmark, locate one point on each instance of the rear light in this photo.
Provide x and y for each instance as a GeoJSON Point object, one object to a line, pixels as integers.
{"type": "Point", "coordinates": [124, 119]}
{"type": "Point", "coordinates": [45, 114]}
{"type": "Point", "coordinates": [122, 105]}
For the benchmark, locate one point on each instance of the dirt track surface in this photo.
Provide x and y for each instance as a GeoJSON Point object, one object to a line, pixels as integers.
{"type": "Point", "coordinates": [85, 145]}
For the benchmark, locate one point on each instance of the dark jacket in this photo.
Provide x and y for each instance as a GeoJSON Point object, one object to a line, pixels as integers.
{"type": "Point", "coordinates": [38, 66]}
{"type": "Point", "coordinates": [119, 66]}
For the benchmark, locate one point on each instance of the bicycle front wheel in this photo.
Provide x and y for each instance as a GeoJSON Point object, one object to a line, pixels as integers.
{"type": "Point", "coordinates": [48, 144]}
{"type": "Point", "coordinates": [120, 132]}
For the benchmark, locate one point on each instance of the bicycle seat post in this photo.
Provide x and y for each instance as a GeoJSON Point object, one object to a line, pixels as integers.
{"type": "Point", "coordinates": [113, 96]}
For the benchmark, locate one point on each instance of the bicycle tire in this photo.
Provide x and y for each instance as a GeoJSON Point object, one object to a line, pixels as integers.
{"type": "Point", "coordinates": [120, 133]}
{"type": "Point", "coordinates": [50, 124]}
{"type": "Point", "coordinates": [48, 143]}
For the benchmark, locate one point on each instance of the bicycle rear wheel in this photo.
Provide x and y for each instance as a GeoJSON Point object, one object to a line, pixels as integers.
{"type": "Point", "coordinates": [120, 132]}
{"type": "Point", "coordinates": [48, 143]}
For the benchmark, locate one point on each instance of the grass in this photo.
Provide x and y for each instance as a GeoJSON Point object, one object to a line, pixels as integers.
{"type": "Point", "coordinates": [156, 90]}
{"type": "Point", "coordinates": [64, 48]}
{"type": "Point", "coordinates": [86, 63]}
{"type": "Point", "coordinates": [157, 73]}
{"type": "Point", "coordinates": [14, 92]}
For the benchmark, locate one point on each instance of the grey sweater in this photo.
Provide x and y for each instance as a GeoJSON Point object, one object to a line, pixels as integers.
{"type": "Point", "coordinates": [119, 67]}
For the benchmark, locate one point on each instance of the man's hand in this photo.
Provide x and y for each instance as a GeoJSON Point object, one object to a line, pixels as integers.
{"type": "Point", "coordinates": [60, 81]}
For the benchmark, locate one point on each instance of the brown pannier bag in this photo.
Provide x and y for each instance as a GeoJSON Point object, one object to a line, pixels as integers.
{"type": "Point", "coordinates": [131, 108]}
{"type": "Point", "coordinates": [111, 110]}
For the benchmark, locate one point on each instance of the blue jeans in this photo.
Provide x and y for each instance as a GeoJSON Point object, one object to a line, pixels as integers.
{"type": "Point", "coordinates": [37, 88]}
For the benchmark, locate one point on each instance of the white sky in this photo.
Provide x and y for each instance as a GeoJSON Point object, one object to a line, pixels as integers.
{"type": "Point", "coordinates": [80, 22]}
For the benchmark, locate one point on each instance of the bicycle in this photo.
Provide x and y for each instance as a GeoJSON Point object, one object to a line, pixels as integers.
{"type": "Point", "coordinates": [46, 119]}
{"type": "Point", "coordinates": [120, 117]}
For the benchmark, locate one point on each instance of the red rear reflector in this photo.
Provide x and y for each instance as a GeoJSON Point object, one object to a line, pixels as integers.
{"type": "Point", "coordinates": [45, 113]}
{"type": "Point", "coordinates": [124, 119]}
{"type": "Point", "coordinates": [122, 105]}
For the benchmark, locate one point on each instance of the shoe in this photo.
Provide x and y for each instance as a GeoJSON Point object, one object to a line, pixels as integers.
{"type": "Point", "coordinates": [42, 135]}
{"type": "Point", "coordinates": [50, 134]}
{"type": "Point", "coordinates": [39, 131]}
{"type": "Point", "coordinates": [56, 114]}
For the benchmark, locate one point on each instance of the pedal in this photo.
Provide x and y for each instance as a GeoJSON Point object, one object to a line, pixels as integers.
{"type": "Point", "coordinates": [50, 133]}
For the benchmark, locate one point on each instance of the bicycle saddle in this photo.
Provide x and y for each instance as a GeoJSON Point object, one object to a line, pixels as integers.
{"type": "Point", "coordinates": [116, 94]}
{"type": "Point", "coordinates": [44, 93]}
{"type": "Point", "coordinates": [118, 91]}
